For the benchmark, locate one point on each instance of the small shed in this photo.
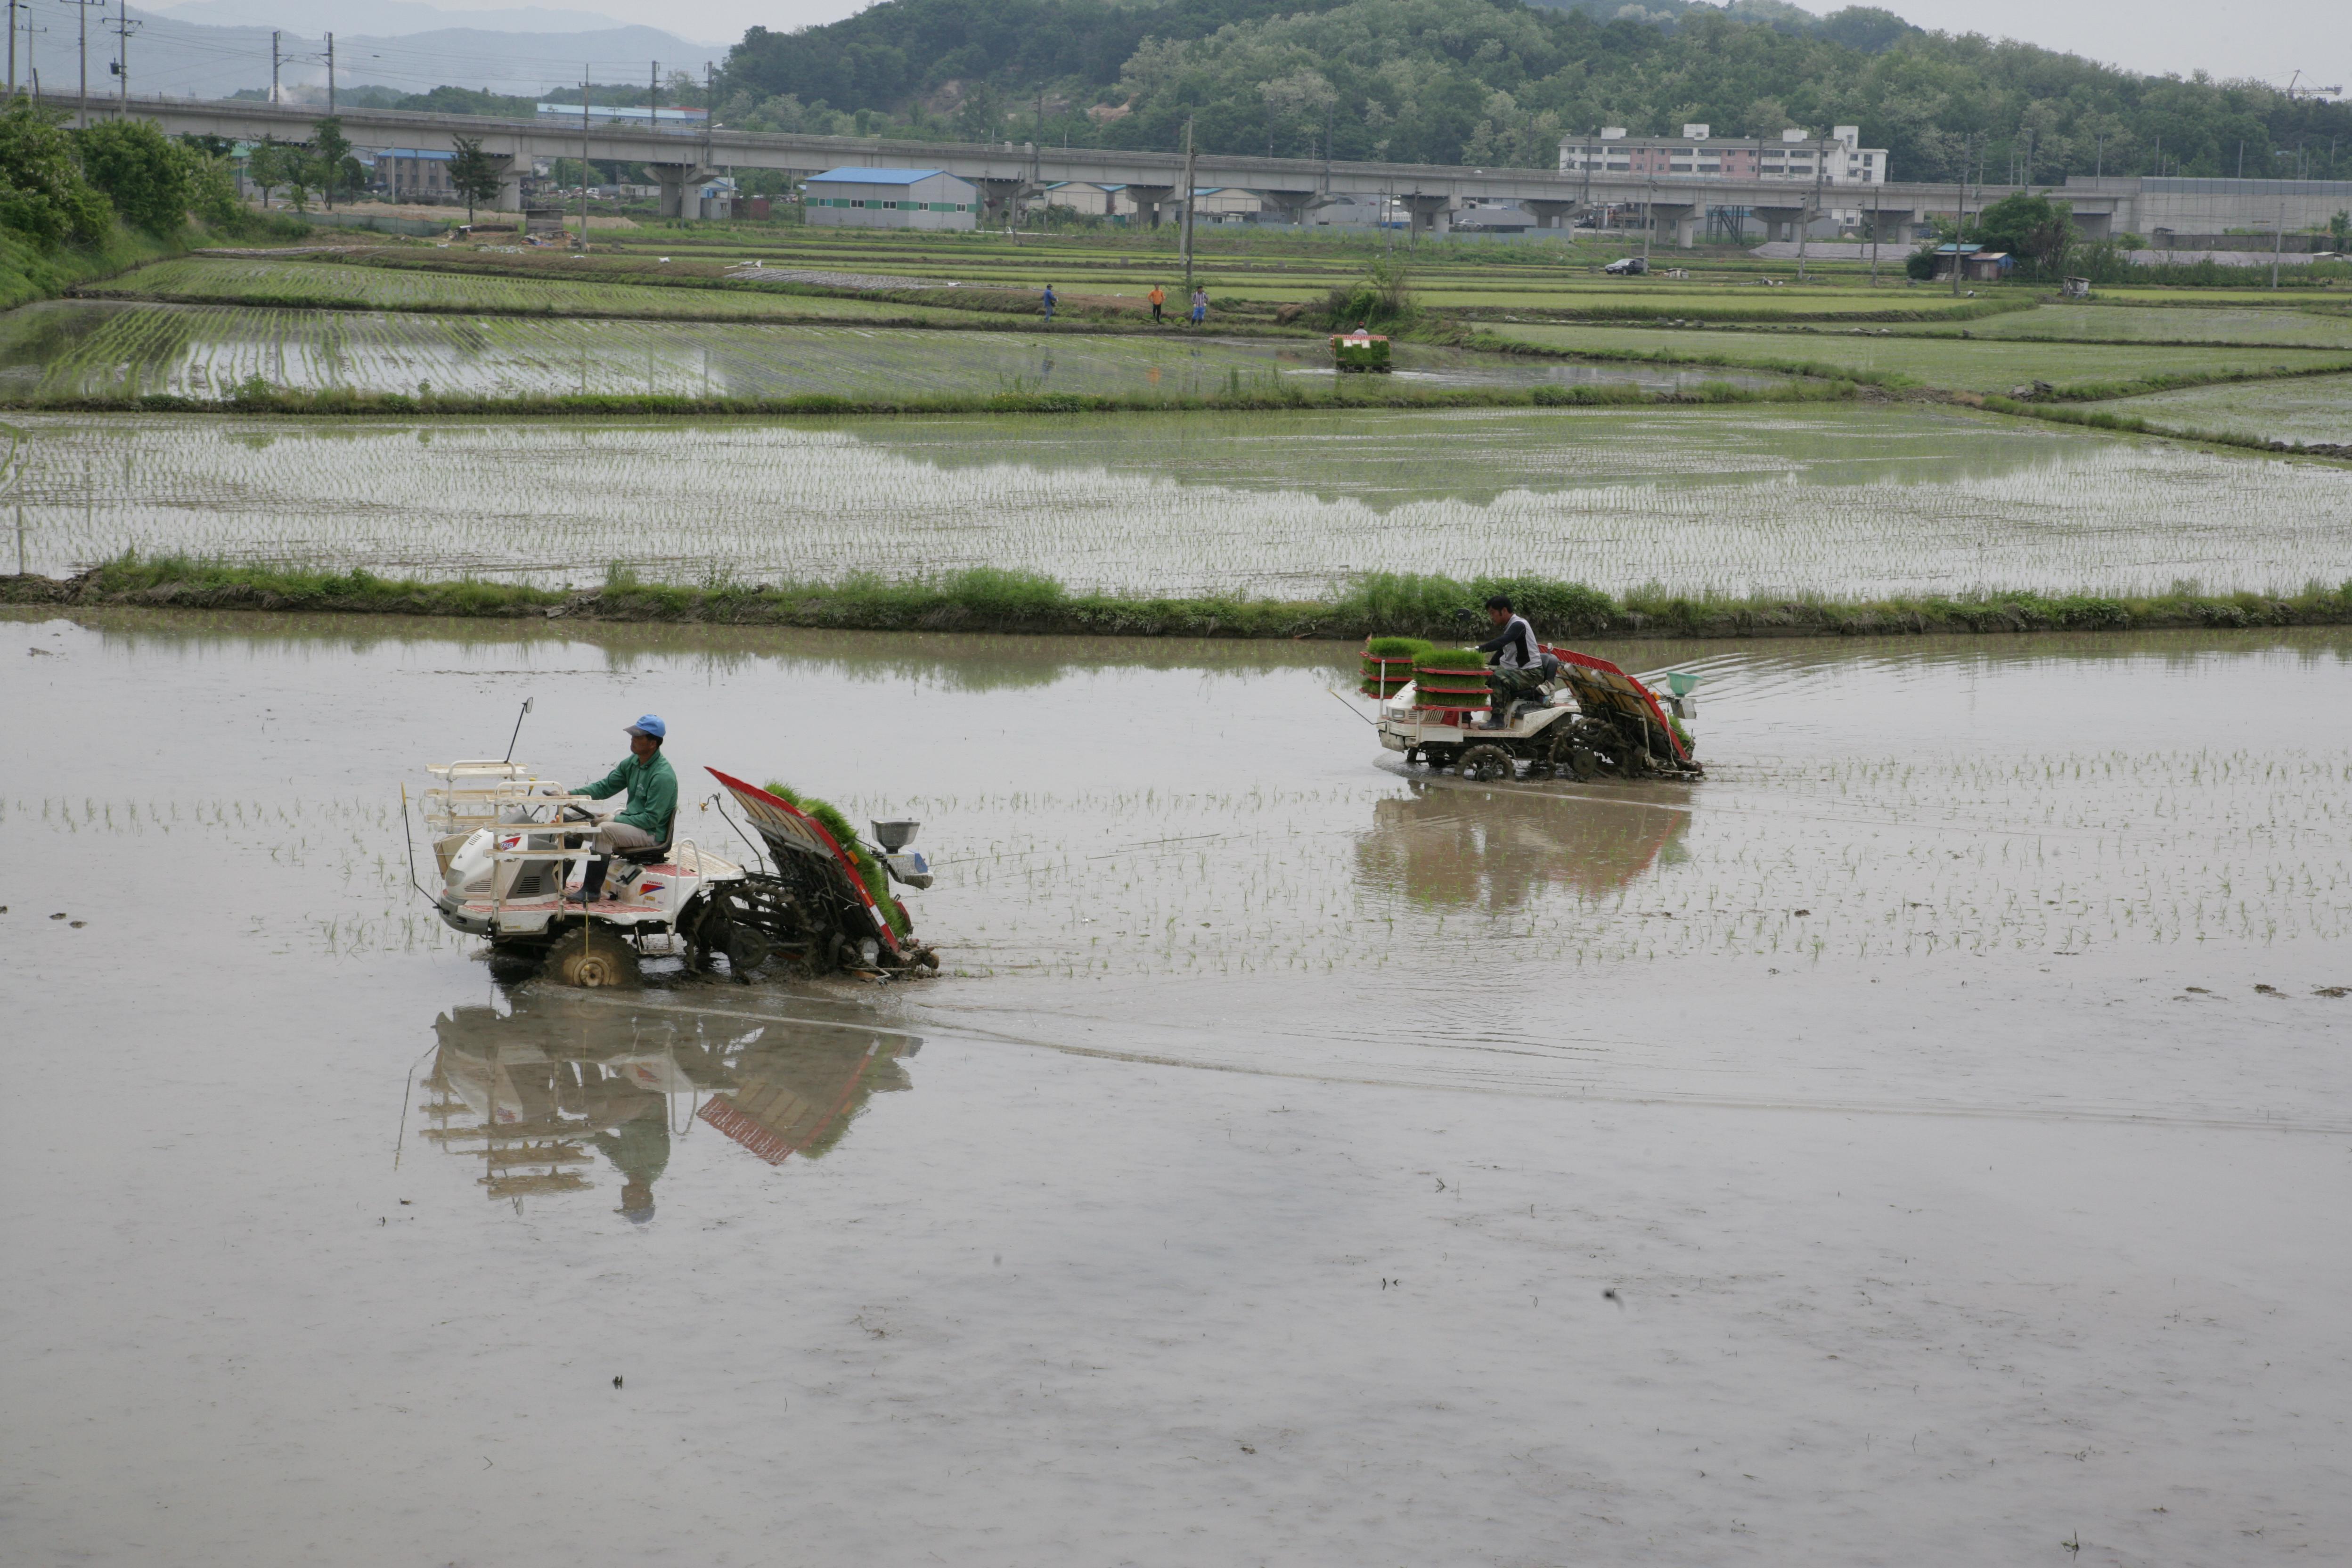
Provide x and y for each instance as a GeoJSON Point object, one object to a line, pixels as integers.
{"type": "Point", "coordinates": [891, 198]}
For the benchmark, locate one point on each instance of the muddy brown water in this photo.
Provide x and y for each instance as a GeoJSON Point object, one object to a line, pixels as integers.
{"type": "Point", "coordinates": [1929, 1129]}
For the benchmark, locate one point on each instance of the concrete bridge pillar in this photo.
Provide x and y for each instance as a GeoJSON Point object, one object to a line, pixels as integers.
{"type": "Point", "coordinates": [1431, 214]}
{"type": "Point", "coordinates": [675, 180]}
{"type": "Point", "coordinates": [1549, 214]}
{"type": "Point", "coordinates": [1779, 223]}
{"type": "Point", "coordinates": [511, 176]}
{"type": "Point", "coordinates": [1681, 216]}
{"type": "Point", "coordinates": [1295, 205]}
{"type": "Point", "coordinates": [1148, 200]}
{"type": "Point", "coordinates": [1000, 198]}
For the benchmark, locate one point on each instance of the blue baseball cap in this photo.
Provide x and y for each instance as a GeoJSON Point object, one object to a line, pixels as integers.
{"type": "Point", "coordinates": [648, 725]}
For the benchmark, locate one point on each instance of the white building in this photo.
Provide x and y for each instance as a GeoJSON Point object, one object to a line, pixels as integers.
{"type": "Point", "coordinates": [890, 198]}
{"type": "Point", "coordinates": [1838, 159]}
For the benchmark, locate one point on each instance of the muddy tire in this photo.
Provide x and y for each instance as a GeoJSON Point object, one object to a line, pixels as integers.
{"type": "Point", "coordinates": [593, 959]}
{"type": "Point", "coordinates": [1486, 764]}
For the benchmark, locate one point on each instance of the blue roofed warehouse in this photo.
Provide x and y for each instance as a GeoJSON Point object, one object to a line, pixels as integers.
{"type": "Point", "coordinates": [891, 198]}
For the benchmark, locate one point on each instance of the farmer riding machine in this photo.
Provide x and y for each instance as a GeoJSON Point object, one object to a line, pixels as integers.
{"type": "Point", "coordinates": [508, 845]}
{"type": "Point", "coordinates": [1586, 718]}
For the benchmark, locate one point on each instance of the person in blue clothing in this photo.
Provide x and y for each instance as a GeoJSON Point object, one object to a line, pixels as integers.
{"type": "Point", "coordinates": [1050, 300]}
{"type": "Point", "coordinates": [645, 776]}
{"type": "Point", "coordinates": [1199, 306]}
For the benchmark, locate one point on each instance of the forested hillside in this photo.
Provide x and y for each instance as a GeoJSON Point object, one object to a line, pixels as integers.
{"type": "Point", "coordinates": [1499, 81]}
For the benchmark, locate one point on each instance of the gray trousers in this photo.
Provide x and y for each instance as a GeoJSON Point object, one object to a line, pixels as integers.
{"type": "Point", "coordinates": [613, 835]}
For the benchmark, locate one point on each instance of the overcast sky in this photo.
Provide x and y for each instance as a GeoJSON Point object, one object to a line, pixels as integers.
{"type": "Point", "coordinates": [2267, 38]}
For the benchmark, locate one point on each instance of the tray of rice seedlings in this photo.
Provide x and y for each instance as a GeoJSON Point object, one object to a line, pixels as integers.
{"type": "Point", "coordinates": [1361, 350]}
{"type": "Point", "coordinates": [1388, 665]}
{"type": "Point", "coordinates": [1452, 679]}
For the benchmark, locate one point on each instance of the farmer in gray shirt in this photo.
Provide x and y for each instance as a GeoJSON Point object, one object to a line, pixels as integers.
{"type": "Point", "coordinates": [1516, 665]}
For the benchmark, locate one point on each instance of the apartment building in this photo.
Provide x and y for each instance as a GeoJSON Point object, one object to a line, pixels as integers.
{"type": "Point", "coordinates": [1838, 159]}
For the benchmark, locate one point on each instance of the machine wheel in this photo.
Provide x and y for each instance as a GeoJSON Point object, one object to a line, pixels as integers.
{"type": "Point", "coordinates": [1486, 764]}
{"type": "Point", "coordinates": [1570, 758]}
{"type": "Point", "coordinates": [591, 959]}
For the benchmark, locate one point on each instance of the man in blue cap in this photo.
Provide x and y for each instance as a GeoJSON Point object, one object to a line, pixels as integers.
{"type": "Point", "coordinates": [652, 788]}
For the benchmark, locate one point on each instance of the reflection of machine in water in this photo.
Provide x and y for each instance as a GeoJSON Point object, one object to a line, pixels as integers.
{"type": "Point", "coordinates": [1445, 844]}
{"type": "Point", "coordinates": [538, 1093]}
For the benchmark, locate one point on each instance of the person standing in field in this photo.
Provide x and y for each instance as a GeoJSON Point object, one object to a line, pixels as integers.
{"type": "Point", "coordinates": [1158, 297]}
{"type": "Point", "coordinates": [1199, 306]}
{"type": "Point", "coordinates": [1050, 301]}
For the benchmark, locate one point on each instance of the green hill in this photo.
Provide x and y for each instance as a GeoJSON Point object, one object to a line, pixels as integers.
{"type": "Point", "coordinates": [1496, 82]}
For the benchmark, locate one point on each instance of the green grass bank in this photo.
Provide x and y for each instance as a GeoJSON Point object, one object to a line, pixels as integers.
{"type": "Point", "coordinates": [986, 600]}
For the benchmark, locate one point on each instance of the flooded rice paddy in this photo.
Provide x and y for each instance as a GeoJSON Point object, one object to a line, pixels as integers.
{"type": "Point", "coordinates": [1803, 500]}
{"type": "Point", "coordinates": [1928, 1127]}
{"type": "Point", "coordinates": [2310, 409]}
{"type": "Point", "coordinates": [1945, 361]}
{"type": "Point", "coordinates": [82, 349]}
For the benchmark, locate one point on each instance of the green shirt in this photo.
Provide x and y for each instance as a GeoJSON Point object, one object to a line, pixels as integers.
{"type": "Point", "coordinates": [652, 787]}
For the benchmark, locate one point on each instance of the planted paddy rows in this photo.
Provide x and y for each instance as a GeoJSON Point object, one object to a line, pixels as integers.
{"type": "Point", "coordinates": [2285, 326]}
{"type": "Point", "coordinates": [2309, 409]}
{"type": "Point", "coordinates": [295, 281]}
{"type": "Point", "coordinates": [1968, 365]}
{"type": "Point", "coordinates": [1806, 502]}
{"type": "Point", "coordinates": [66, 351]}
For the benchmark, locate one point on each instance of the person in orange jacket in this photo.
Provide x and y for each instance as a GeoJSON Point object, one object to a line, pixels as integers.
{"type": "Point", "coordinates": [1158, 297]}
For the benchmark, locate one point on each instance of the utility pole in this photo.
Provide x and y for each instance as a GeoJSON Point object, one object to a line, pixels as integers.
{"type": "Point", "coordinates": [2099, 157]}
{"type": "Point", "coordinates": [331, 78]}
{"type": "Point", "coordinates": [1649, 219]}
{"type": "Point", "coordinates": [1874, 194]}
{"type": "Point", "coordinates": [1960, 216]}
{"type": "Point", "coordinates": [12, 46]}
{"type": "Point", "coordinates": [276, 55]}
{"type": "Point", "coordinates": [1190, 161]}
{"type": "Point", "coordinates": [1804, 229]}
{"type": "Point", "coordinates": [2278, 239]}
{"type": "Point", "coordinates": [586, 72]}
{"type": "Point", "coordinates": [123, 27]}
{"type": "Point", "coordinates": [81, 11]}
{"type": "Point", "coordinates": [653, 98]}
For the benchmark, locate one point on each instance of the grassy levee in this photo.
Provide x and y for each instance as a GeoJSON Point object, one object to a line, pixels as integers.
{"type": "Point", "coordinates": [986, 600]}
{"type": "Point", "coordinates": [28, 273]}
{"type": "Point", "coordinates": [1242, 394]}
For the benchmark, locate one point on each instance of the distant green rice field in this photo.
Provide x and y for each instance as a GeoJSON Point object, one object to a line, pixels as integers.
{"type": "Point", "coordinates": [2309, 409]}
{"type": "Point", "coordinates": [1965, 364]}
{"type": "Point", "coordinates": [2164, 324]}
{"type": "Point", "coordinates": [76, 350]}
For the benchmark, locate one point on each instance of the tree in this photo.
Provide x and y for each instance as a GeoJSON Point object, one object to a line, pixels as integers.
{"type": "Point", "coordinates": [2033, 226]}
{"type": "Point", "coordinates": [43, 197]}
{"type": "Point", "coordinates": [330, 156]}
{"type": "Point", "coordinates": [2339, 231]}
{"type": "Point", "coordinates": [143, 173]}
{"type": "Point", "coordinates": [271, 165]}
{"type": "Point", "coordinates": [475, 175]}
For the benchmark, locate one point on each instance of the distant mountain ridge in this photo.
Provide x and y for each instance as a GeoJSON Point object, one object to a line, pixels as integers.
{"type": "Point", "coordinates": [1501, 82]}
{"type": "Point", "coordinates": [172, 57]}
{"type": "Point", "coordinates": [389, 19]}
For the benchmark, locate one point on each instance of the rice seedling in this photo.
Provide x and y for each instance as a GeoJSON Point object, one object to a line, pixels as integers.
{"type": "Point", "coordinates": [1939, 360]}
{"type": "Point", "coordinates": [294, 283]}
{"type": "Point", "coordinates": [2310, 410]}
{"type": "Point", "coordinates": [1737, 503]}
{"type": "Point", "coordinates": [74, 351]}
